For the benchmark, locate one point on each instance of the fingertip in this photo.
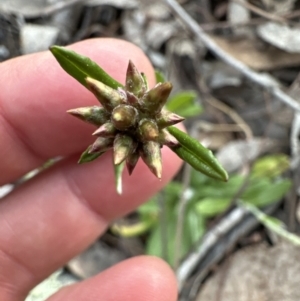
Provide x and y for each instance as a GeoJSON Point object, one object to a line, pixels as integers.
{"type": "Point", "coordinates": [160, 276]}
{"type": "Point", "coordinates": [144, 278]}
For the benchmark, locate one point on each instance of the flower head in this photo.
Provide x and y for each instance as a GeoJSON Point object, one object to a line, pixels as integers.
{"type": "Point", "coordinates": [131, 121]}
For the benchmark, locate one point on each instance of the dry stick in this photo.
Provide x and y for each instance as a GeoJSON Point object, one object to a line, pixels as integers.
{"type": "Point", "coordinates": [225, 24]}
{"type": "Point", "coordinates": [260, 12]}
{"type": "Point", "coordinates": [292, 15]}
{"type": "Point", "coordinates": [262, 79]}
{"type": "Point", "coordinates": [295, 130]}
{"type": "Point", "coordinates": [291, 199]}
{"type": "Point", "coordinates": [294, 141]}
{"type": "Point", "coordinates": [234, 116]}
{"type": "Point", "coordinates": [227, 110]}
{"type": "Point", "coordinates": [219, 127]}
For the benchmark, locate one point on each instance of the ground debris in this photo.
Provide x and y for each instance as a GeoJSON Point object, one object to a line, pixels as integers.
{"type": "Point", "coordinates": [245, 73]}
{"type": "Point", "coordinates": [258, 272]}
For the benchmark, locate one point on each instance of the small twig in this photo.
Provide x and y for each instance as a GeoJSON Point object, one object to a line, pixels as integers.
{"type": "Point", "coordinates": [211, 26]}
{"type": "Point", "coordinates": [260, 12]}
{"type": "Point", "coordinates": [219, 127]}
{"type": "Point", "coordinates": [262, 79]}
{"type": "Point", "coordinates": [227, 110]}
{"type": "Point", "coordinates": [295, 129]}
{"type": "Point", "coordinates": [294, 141]}
{"type": "Point", "coordinates": [292, 14]}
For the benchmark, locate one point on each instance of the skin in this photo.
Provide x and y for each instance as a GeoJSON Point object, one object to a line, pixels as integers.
{"type": "Point", "coordinates": [58, 214]}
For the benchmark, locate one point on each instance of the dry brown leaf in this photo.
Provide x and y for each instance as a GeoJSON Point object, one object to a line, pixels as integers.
{"type": "Point", "coordinates": [246, 51]}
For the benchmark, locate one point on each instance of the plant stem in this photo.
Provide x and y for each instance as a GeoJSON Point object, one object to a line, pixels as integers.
{"type": "Point", "coordinates": [181, 214]}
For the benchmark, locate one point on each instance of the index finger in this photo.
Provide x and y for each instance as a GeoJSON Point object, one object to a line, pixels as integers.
{"type": "Point", "coordinates": [35, 94]}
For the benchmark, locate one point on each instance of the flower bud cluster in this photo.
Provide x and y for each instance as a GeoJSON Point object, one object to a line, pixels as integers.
{"type": "Point", "coordinates": [131, 121]}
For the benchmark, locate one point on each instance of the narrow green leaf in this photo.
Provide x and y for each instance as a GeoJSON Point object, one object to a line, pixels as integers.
{"type": "Point", "coordinates": [80, 67]}
{"type": "Point", "coordinates": [86, 157]}
{"type": "Point", "coordinates": [210, 207]}
{"type": "Point", "coordinates": [271, 166]}
{"type": "Point", "coordinates": [255, 188]}
{"type": "Point", "coordinates": [199, 165]}
{"type": "Point", "coordinates": [267, 193]}
{"type": "Point", "coordinates": [272, 224]}
{"type": "Point", "coordinates": [189, 111]}
{"type": "Point", "coordinates": [118, 176]}
{"type": "Point", "coordinates": [212, 188]}
{"type": "Point", "coordinates": [195, 226]}
{"type": "Point", "coordinates": [183, 104]}
{"type": "Point", "coordinates": [154, 242]}
{"type": "Point", "coordinates": [199, 157]}
{"type": "Point", "coordinates": [181, 99]}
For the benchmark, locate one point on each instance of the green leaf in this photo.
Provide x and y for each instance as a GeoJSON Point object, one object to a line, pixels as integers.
{"type": "Point", "coordinates": [196, 163]}
{"type": "Point", "coordinates": [190, 111]}
{"type": "Point", "coordinates": [255, 187]}
{"type": "Point", "coordinates": [118, 176]}
{"type": "Point", "coordinates": [172, 192]}
{"type": "Point", "coordinates": [271, 166]}
{"type": "Point", "coordinates": [86, 157]}
{"type": "Point", "coordinates": [210, 207]}
{"type": "Point", "coordinates": [183, 104]}
{"type": "Point", "coordinates": [181, 99]}
{"type": "Point", "coordinates": [214, 189]}
{"type": "Point", "coordinates": [195, 226]}
{"type": "Point", "coordinates": [154, 243]}
{"type": "Point", "coordinates": [226, 190]}
{"type": "Point", "coordinates": [193, 229]}
{"type": "Point", "coordinates": [81, 67]}
{"type": "Point", "coordinates": [264, 192]}
{"type": "Point", "coordinates": [195, 154]}
{"type": "Point", "coordinates": [160, 78]}
{"type": "Point", "coordinates": [149, 208]}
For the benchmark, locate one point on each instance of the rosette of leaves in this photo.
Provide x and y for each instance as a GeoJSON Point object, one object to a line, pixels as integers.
{"type": "Point", "coordinates": [132, 120]}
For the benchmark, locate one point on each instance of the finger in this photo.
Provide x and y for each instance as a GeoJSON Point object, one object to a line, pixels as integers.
{"type": "Point", "coordinates": [140, 278]}
{"type": "Point", "coordinates": [35, 96]}
{"type": "Point", "coordinates": [55, 216]}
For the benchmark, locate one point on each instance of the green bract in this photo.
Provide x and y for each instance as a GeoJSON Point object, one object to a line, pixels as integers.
{"type": "Point", "coordinates": [132, 120]}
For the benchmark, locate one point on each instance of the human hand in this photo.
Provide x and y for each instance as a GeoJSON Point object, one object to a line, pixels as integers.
{"type": "Point", "coordinates": [58, 214]}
